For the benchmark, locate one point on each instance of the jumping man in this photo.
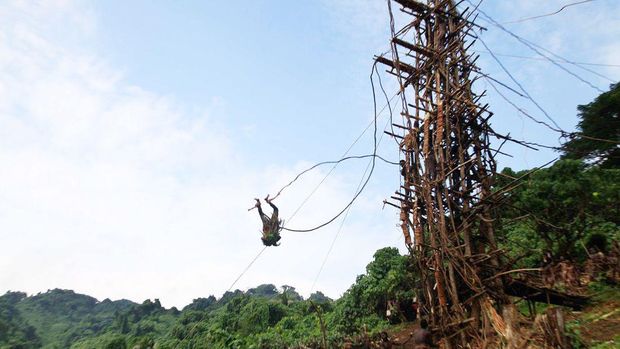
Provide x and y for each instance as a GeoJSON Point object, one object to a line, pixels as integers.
{"type": "Point", "coordinates": [271, 225]}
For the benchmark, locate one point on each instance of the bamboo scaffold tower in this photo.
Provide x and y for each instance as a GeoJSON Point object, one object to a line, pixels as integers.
{"type": "Point", "coordinates": [447, 211]}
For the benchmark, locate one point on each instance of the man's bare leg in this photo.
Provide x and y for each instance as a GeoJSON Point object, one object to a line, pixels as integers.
{"type": "Point", "coordinates": [274, 207]}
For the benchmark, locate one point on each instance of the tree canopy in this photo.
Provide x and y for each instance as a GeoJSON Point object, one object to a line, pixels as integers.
{"type": "Point", "coordinates": [264, 316]}
{"type": "Point", "coordinates": [598, 139]}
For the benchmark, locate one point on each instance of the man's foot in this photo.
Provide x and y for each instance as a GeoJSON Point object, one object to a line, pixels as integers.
{"type": "Point", "coordinates": [257, 202]}
{"type": "Point", "coordinates": [267, 198]}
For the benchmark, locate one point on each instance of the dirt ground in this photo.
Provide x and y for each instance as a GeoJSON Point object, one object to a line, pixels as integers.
{"type": "Point", "coordinates": [599, 323]}
{"type": "Point", "coordinates": [401, 336]}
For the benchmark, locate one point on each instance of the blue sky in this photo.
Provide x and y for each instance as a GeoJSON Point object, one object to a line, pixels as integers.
{"type": "Point", "coordinates": [136, 134]}
{"type": "Point", "coordinates": [228, 54]}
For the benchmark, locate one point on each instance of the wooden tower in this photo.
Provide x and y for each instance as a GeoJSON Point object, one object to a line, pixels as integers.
{"type": "Point", "coordinates": [445, 200]}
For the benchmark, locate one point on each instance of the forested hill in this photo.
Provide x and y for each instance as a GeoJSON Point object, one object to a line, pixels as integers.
{"type": "Point", "coordinates": [60, 318]}
{"type": "Point", "coordinates": [264, 314]}
{"type": "Point", "coordinates": [56, 316]}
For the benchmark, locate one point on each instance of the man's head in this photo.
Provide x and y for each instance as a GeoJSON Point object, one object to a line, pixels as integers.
{"type": "Point", "coordinates": [424, 324]}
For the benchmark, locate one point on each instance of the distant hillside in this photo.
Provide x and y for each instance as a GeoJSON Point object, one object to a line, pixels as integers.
{"type": "Point", "coordinates": [15, 332]}
{"type": "Point", "coordinates": [262, 317]}
{"type": "Point", "coordinates": [56, 318]}
{"type": "Point", "coordinates": [65, 319]}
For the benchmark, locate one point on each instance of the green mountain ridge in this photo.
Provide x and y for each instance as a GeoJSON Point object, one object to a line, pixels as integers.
{"type": "Point", "coordinates": [263, 314]}
{"type": "Point", "coordinates": [61, 315]}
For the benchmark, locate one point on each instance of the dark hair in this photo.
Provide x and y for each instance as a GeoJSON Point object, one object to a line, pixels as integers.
{"type": "Point", "coordinates": [424, 324]}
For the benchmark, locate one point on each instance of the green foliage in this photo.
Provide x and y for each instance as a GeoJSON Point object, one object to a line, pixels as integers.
{"type": "Point", "coordinates": [319, 298]}
{"type": "Point", "coordinates": [265, 290]}
{"type": "Point", "coordinates": [560, 209]}
{"type": "Point", "coordinates": [262, 317]}
{"type": "Point", "coordinates": [105, 341]}
{"type": "Point", "coordinates": [605, 298]}
{"type": "Point", "coordinates": [60, 317]}
{"type": "Point", "coordinates": [15, 332]}
{"type": "Point", "coordinates": [613, 344]}
{"type": "Point", "coordinates": [599, 120]}
{"type": "Point", "coordinates": [289, 294]}
{"type": "Point", "coordinates": [603, 292]}
{"type": "Point", "coordinates": [388, 277]}
{"type": "Point", "coordinates": [201, 303]}
{"type": "Point", "coordinates": [574, 204]}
